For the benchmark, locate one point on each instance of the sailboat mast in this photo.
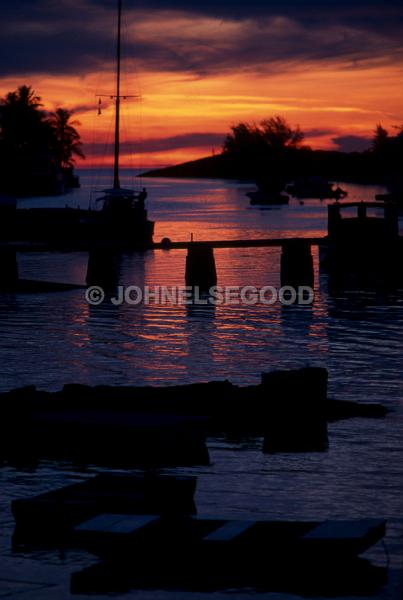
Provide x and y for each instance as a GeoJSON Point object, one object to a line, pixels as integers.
{"type": "Point", "coordinates": [116, 180]}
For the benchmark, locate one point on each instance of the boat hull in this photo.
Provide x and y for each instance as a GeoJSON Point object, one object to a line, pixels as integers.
{"type": "Point", "coordinates": [76, 228]}
{"type": "Point", "coordinates": [260, 198]}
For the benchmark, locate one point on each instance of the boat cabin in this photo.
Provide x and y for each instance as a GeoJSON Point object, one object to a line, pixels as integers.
{"type": "Point", "coordinates": [362, 221]}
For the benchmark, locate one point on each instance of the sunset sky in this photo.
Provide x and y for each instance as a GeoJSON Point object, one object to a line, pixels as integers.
{"type": "Point", "coordinates": [335, 68]}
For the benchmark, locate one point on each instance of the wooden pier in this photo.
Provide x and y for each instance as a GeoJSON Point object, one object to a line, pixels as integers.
{"type": "Point", "coordinates": [168, 244]}
{"type": "Point", "coordinates": [296, 260]}
{"type": "Point", "coordinates": [248, 243]}
{"type": "Point", "coordinates": [361, 244]}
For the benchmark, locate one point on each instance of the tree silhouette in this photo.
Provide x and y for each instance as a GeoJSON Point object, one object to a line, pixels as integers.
{"type": "Point", "coordinates": [271, 135]}
{"type": "Point", "coordinates": [381, 139]}
{"type": "Point", "coordinates": [36, 150]}
{"type": "Point", "coordinates": [388, 151]}
{"type": "Point", "coordinates": [260, 150]}
{"type": "Point", "coordinates": [23, 128]}
{"type": "Point", "coordinates": [245, 137]}
{"type": "Point", "coordinates": [68, 144]}
{"type": "Point", "coordinates": [278, 134]}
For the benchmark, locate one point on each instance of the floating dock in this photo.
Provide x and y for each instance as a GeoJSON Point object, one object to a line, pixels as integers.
{"type": "Point", "coordinates": [211, 553]}
{"type": "Point", "coordinates": [53, 515]}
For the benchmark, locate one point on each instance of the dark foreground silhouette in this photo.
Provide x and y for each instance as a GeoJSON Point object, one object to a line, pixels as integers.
{"type": "Point", "coordinates": [145, 531]}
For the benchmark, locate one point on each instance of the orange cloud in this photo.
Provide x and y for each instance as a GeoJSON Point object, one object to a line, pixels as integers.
{"type": "Point", "coordinates": [331, 99]}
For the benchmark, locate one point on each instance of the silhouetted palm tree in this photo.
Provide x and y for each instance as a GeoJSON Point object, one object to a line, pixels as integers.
{"type": "Point", "coordinates": [68, 143]}
{"type": "Point", "coordinates": [36, 150]}
{"type": "Point", "coordinates": [21, 121]}
{"type": "Point", "coordinates": [24, 96]}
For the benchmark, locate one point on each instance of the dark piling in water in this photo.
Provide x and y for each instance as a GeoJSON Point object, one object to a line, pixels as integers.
{"type": "Point", "coordinates": [9, 277]}
{"type": "Point", "coordinates": [297, 264]}
{"type": "Point", "coordinates": [103, 267]}
{"type": "Point", "coordinates": [200, 267]}
{"type": "Point", "coordinates": [296, 415]}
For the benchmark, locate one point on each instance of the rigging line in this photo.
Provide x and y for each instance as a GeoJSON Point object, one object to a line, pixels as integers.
{"type": "Point", "coordinates": [140, 142]}
{"type": "Point", "coordinates": [107, 145]}
{"type": "Point", "coordinates": [103, 84]}
{"type": "Point", "coordinates": [138, 133]}
{"type": "Point", "coordinates": [125, 144]}
{"type": "Point", "coordinates": [123, 91]}
{"type": "Point", "coordinates": [95, 145]}
{"type": "Point", "coordinates": [129, 129]}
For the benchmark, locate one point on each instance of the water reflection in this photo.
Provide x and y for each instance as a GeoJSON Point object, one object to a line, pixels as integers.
{"type": "Point", "coordinates": [72, 341]}
{"type": "Point", "coordinates": [49, 340]}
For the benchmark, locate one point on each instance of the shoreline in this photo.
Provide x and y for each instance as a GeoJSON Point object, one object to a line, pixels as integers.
{"type": "Point", "coordinates": [332, 165]}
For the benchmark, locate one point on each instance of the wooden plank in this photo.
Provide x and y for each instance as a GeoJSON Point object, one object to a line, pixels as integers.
{"type": "Point", "coordinates": [344, 530]}
{"type": "Point", "coordinates": [99, 523]}
{"type": "Point", "coordinates": [230, 531]}
{"type": "Point", "coordinates": [119, 524]}
{"type": "Point", "coordinates": [344, 538]}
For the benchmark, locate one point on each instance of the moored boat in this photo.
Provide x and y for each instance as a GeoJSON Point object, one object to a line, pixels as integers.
{"type": "Point", "coordinates": [260, 197]}
{"type": "Point", "coordinates": [121, 220]}
{"type": "Point", "coordinates": [315, 187]}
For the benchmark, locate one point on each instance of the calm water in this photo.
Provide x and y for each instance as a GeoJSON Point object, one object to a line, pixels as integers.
{"type": "Point", "coordinates": [49, 340]}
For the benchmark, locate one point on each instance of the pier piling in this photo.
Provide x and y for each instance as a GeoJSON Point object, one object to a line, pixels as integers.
{"type": "Point", "coordinates": [200, 266]}
{"type": "Point", "coordinates": [103, 267]}
{"type": "Point", "coordinates": [8, 269]}
{"type": "Point", "coordinates": [296, 413]}
{"type": "Point", "coordinates": [297, 263]}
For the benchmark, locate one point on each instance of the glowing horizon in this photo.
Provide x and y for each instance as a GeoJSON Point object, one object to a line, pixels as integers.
{"type": "Point", "coordinates": [195, 80]}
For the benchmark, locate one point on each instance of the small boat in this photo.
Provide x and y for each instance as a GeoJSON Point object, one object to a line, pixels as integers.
{"type": "Point", "coordinates": [260, 197]}
{"type": "Point", "coordinates": [315, 187]}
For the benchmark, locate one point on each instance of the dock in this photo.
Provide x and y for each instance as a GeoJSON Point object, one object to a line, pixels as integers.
{"type": "Point", "coordinates": [52, 515]}
{"type": "Point", "coordinates": [247, 243]}
{"type": "Point", "coordinates": [213, 553]}
{"type": "Point", "coordinates": [146, 533]}
{"type": "Point", "coordinates": [166, 244]}
{"type": "Point", "coordinates": [357, 244]}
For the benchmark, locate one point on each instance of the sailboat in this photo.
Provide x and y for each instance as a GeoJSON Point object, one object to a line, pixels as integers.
{"type": "Point", "coordinates": [122, 219]}
{"type": "Point", "coordinates": [124, 209]}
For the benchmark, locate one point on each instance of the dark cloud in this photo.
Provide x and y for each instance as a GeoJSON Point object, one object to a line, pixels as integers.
{"type": "Point", "coordinates": [241, 9]}
{"type": "Point", "coordinates": [319, 132]}
{"type": "Point", "coordinates": [352, 143]}
{"type": "Point", "coordinates": [189, 140]}
{"type": "Point", "coordinates": [76, 36]}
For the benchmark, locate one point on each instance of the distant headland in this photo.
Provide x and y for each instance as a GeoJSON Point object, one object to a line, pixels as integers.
{"type": "Point", "coordinates": [275, 151]}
